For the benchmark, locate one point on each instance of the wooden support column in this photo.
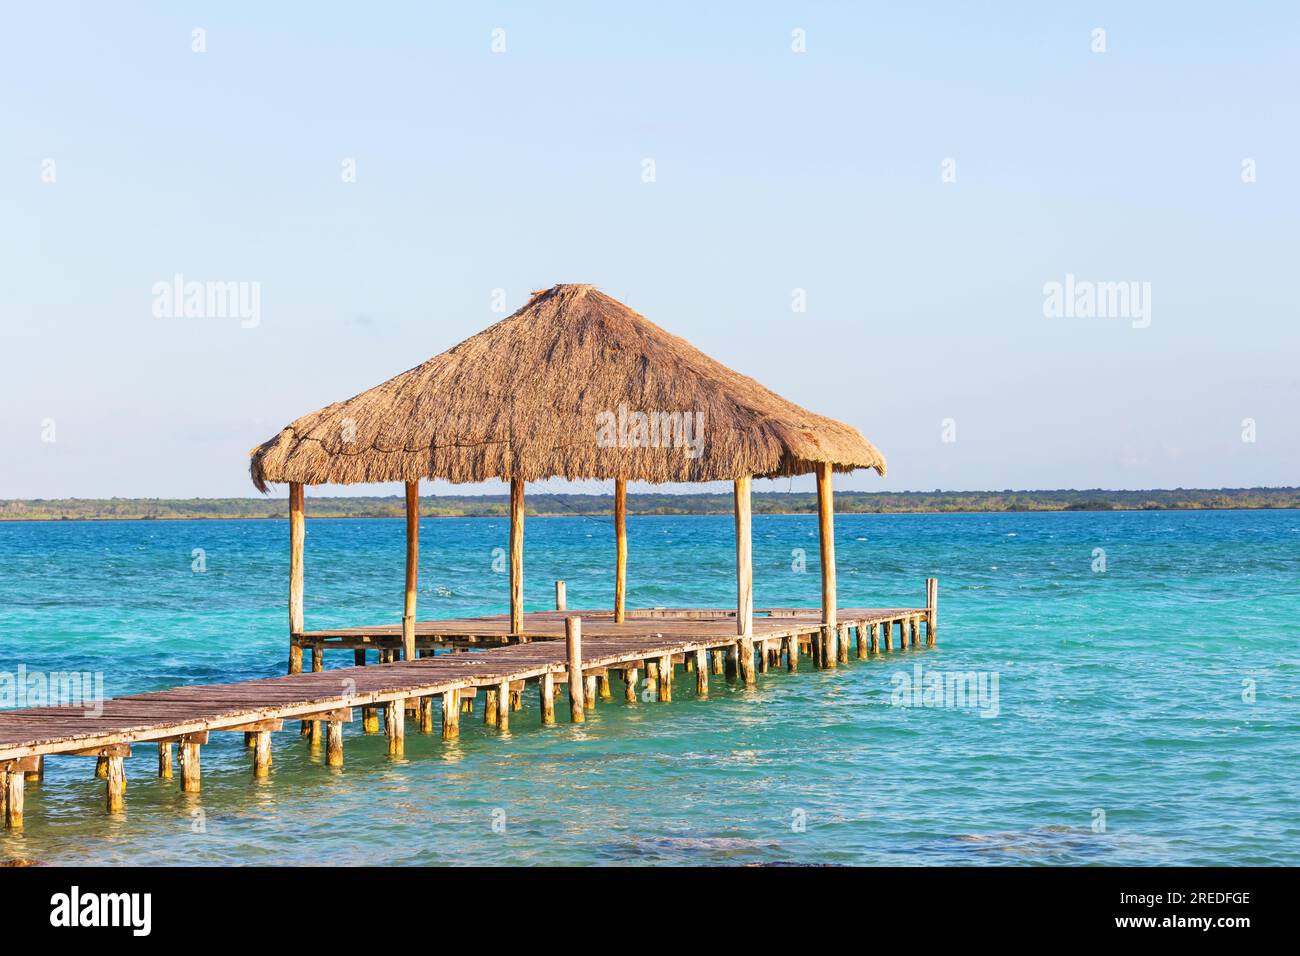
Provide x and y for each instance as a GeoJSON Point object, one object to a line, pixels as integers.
{"type": "Point", "coordinates": [629, 684]}
{"type": "Point", "coordinates": [701, 674]}
{"type": "Point", "coordinates": [334, 743]}
{"type": "Point", "coordinates": [36, 773]}
{"type": "Point", "coordinates": [589, 691]}
{"type": "Point", "coordinates": [913, 637]}
{"type": "Point", "coordinates": [395, 720]}
{"type": "Point", "coordinates": [516, 555]}
{"type": "Point", "coordinates": [716, 662]}
{"type": "Point", "coordinates": [115, 786]}
{"type": "Point", "coordinates": [764, 657]}
{"type": "Point", "coordinates": [297, 537]}
{"type": "Point", "coordinates": [261, 754]}
{"type": "Point", "coordinates": [546, 690]}
{"type": "Point", "coordinates": [791, 652]}
{"type": "Point", "coordinates": [165, 760]}
{"type": "Point", "coordinates": [14, 791]}
{"type": "Point", "coordinates": [826, 535]}
{"type": "Point", "coordinates": [652, 677]}
{"type": "Point", "coordinates": [842, 644]}
{"type": "Point", "coordinates": [561, 596]}
{"type": "Point", "coordinates": [573, 645]}
{"type": "Point", "coordinates": [412, 567]}
{"type": "Point", "coordinates": [603, 687]}
{"type": "Point", "coordinates": [503, 706]}
{"type": "Point", "coordinates": [744, 581]}
{"type": "Point", "coordinates": [875, 639]}
{"type": "Point", "coordinates": [191, 771]}
{"type": "Point", "coordinates": [450, 714]}
{"type": "Point", "coordinates": [620, 537]}
{"type": "Point", "coordinates": [490, 706]}
{"type": "Point", "coordinates": [666, 678]}
{"type": "Point", "coordinates": [931, 610]}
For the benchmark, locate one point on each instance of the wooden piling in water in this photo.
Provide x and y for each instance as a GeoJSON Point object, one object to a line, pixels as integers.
{"type": "Point", "coordinates": [665, 666]}
{"type": "Point", "coordinates": [589, 691]}
{"type": "Point", "coordinates": [842, 644]}
{"type": "Point", "coordinates": [334, 743]}
{"type": "Point", "coordinates": [14, 791]}
{"type": "Point", "coordinates": [115, 785]}
{"type": "Point", "coordinates": [546, 690]}
{"type": "Point", "coordinates": [629, 684]}
{"type": "Point", "coordinates": [701, 675]}
{"type": "Point", "coordinates": [395, 719]}
{"type": "Point", "coordinates": [165, 760]}
{"type": "Point", "coordinates": [191, 769]}
{"type": "Point", "coordinates": [490, 706]}
{"type": "Point", "coordinates": [450, 714]}
{"type": "Point", "coordinates": [573, 646]}
{"type": "Point", "coordinates": [503, 706]}
{"type": "Point", "coordinates": [262, 754]}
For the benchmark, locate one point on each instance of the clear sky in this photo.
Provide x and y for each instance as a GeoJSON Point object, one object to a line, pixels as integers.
{"type": "Point", "coordinates": [774, 171]}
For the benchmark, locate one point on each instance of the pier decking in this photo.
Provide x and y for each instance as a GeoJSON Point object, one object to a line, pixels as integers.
{"type": "Point", "coordinates": [552, 650]}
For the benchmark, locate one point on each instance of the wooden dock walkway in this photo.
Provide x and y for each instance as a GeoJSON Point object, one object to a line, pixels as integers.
{"type": "Point", "coordinates": [552, 650]}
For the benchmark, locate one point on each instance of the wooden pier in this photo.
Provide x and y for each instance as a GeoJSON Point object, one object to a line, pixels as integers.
{"type": "Point", "coordinates": [651, 649]}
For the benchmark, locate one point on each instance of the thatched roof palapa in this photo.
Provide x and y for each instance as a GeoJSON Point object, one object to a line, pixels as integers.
{"type": "Point", "coordinates": [534, 397]}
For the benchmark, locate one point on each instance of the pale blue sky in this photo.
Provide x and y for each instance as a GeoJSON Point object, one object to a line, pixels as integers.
{"type": "Point", "coordinates": [775, 171]}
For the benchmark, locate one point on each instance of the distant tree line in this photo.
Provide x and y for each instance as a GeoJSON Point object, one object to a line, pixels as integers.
{"type": "Point", "coordinates": [767, 502]}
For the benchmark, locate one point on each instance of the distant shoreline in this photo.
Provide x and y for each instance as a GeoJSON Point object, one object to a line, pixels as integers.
{"type": "Point", "coordinates": [651, 503]}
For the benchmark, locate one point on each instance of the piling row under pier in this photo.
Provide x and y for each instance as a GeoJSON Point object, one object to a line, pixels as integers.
{"type": "Point", "coordinates": [652, 651]}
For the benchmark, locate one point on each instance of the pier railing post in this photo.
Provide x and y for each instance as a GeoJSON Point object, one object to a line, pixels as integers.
{"type": "Point", "coordinates": [931, 610]}
{"type": "Point", "coordinates": [573, 644]}
{"type": "Point", "coordinates": [561, 597]}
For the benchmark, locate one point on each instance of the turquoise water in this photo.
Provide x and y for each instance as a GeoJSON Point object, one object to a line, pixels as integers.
{"type": "Point", "coordinates": [1126, 730]}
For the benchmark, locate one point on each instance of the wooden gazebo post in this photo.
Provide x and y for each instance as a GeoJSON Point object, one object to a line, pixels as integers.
{"type": "Point", "coordinates": [744, 582]}
{"type": "Point", "coordinates": [297, 536]}
{"type": "Point", "coordinates": [826, 533]}
{"type": "Point", "coordinates": [620, 535]}
{"type": "Point", "coordinates": [516, 555]}
{"type": "Point", "coordinates": [412, 568]}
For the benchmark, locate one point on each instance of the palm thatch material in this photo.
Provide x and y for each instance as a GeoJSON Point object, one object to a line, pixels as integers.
{"type": "Point", "coordinates": [554, 391]}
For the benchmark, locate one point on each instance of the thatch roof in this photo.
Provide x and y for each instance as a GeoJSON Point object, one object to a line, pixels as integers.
{"type": "Point", "coordinates": [546, 393]}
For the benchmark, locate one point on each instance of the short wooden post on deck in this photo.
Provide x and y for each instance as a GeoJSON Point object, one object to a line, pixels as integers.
{"type": "Point", "coordinates": [412, 567]}
{"type": "Point", "coordinates": [744, 581]}
{"type": "Point", "coordinates": [516, 555]}
{"type": "Point", "coordinates": [620, 537]}
{"type": "Point", "coordinates": [826, 535]}
{"type": "Point", "coordinates": [561, 596]}
{"type": "Point", "coordinates": [546, 691]}
{"type": "Point", "coordinates": [573, 645]}
{"type": "Point", "coordinates": [931, 610]}
{"type": "Point", "coordinates": [297, 536]}
{"type": "Point", "coordinates": [450, 714]}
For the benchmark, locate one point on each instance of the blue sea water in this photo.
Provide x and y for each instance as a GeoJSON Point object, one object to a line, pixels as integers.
{"type": "Point", "coordinates": [1146, 714]}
